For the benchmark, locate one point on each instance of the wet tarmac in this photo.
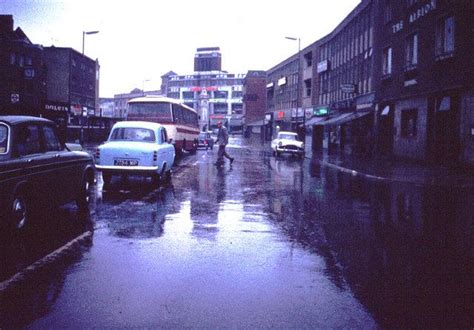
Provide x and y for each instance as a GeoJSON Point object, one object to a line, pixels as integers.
{"type": "Point", "coordinates": [266, 242]}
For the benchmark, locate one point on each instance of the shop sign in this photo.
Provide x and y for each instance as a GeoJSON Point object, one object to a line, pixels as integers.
{"type": "Point", "coordinates": [280, 115]}
{"type": "Point", "coordinates": [348, 88]}
{"type": "Point", "coordinates": [424, 10]}
{"type": "Point", "coordinates": [323, 66]}
{"type": "Point", "coordinates": [320, 112]}
{"type": "Point", "coordinates": [56, 107]}
{"type": "Point", "coordinates": [282, 81]}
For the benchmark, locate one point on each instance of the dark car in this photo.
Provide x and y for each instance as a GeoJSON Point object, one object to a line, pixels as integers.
{"type": "Point", "coordinates": [37, 170]}
{"type": "Point", "coordinates": [205, 140]}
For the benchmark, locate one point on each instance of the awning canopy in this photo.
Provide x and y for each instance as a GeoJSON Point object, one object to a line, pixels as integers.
{"type": "Point", "coordinates": [344, 118]}
{"type": "Point", "coordinates": [313, 121]}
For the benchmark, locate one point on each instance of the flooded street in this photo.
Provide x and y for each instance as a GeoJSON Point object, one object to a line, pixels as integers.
{"type": "Point", "coordinates": [266, 242]}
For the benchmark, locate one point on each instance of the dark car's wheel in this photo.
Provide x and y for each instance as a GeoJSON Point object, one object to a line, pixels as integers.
{"type": "Point", "coordinates": [20, 208]}
{"type": "Point", "coordinates": [107, 179]}
{"type": "Point", "coordinates": [155, 179]}
{"type": "Point", "coordinates": [85, 196]}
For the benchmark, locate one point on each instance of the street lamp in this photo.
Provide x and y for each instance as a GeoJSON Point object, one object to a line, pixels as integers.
{"type": "Point", "coordinates": [84, 37]}
{"type": "Point", "coordinates": [143, 86]}
{"type": "Point", "coordinates": [298, 85]}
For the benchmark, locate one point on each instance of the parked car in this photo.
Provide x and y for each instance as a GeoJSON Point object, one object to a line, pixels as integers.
{"type": "Point", "coordinates": [37, 170]}
{"type": "Point", "coordinates": [136, 148]}
{"type": "Point", "coordinates": [287, 142]}
{"type": "Point", "coordinates": [205, 140]}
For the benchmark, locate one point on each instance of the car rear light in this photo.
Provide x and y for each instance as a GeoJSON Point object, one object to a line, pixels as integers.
{"type": "Point", "coordinates": [155, 156]}
{"type": "Point", "coordinates": [205, 142]}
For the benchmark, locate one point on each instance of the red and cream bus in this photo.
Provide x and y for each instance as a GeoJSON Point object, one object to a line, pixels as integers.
{"type": "Point", "coordinates": [181, 121]}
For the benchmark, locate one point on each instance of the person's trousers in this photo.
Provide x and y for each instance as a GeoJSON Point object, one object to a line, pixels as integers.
{"type": "Point", "coordinates": [221, 153]}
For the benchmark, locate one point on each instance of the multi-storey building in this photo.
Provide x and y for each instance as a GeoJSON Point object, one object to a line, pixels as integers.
{"type": "Point", "coordinates": [215, 94]}
{"type": "Point", "coordinates": [254, 100]}
{"type": "Point", "coordinates": [282, 111]}
{"type": "Point", "coordinates": [22, 72]}
{"type": "Point", "coordinates": [343, 85]}
{"type": "Point", "coordinates": [71, 85]}
{"type": "Point", "coordinates": [424, 80]}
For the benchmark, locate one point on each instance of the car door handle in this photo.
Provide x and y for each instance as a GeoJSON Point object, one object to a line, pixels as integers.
{"type": "Point", "coordinates": [56, 156]}
{"type": "Point", "coordinates": [29, 160]}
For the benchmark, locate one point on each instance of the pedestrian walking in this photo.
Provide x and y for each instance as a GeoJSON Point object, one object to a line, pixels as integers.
{"type": "Point", "coordinates": [222, 140]}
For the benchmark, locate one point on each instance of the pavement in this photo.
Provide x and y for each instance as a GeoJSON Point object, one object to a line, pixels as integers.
{"type": "Point", "coordinates": [401, 171]}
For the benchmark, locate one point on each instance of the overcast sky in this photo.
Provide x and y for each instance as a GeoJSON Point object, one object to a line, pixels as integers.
{"type": "Point", "coordinates": [140, 40]}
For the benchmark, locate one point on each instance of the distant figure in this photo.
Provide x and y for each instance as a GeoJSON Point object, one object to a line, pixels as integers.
{"type": "Point", "coordinates": [222, 140]}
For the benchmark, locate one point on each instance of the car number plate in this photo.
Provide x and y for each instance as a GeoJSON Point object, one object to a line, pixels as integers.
{"type": "Point", "coordinates": [125, 162]}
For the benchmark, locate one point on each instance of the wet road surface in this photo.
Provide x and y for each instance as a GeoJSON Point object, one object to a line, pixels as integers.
{"type": "Point", "coordinates": [268, 242]}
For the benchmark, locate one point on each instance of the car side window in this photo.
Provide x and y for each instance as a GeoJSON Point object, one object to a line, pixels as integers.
{"type": "Point", "coordinates": [28, 140]}
{"type": "Point", "coordinates": [3, 138]}
{"type": "Point", "coordinates": [51, 139]}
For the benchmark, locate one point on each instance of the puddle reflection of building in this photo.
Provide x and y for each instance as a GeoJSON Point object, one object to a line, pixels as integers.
{"type": "Point", "coordinates": [406, 250]}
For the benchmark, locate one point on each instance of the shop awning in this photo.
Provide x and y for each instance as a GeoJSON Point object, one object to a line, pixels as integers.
{"type": "Point", "coordinates": [344, 118]}
{"type": "Point", "coordinates": [314, 120]}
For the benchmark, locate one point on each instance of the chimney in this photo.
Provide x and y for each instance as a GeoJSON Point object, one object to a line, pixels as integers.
{"type": "Point", "coordinates": [6, 23]}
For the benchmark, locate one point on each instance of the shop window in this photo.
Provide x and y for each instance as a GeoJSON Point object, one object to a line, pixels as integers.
{"type": "Point", "coordinates": [408, 123]}
{"type": "Point", "coordinates": [445, 38]}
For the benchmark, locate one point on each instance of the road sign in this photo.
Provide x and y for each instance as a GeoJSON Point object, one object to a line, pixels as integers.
{"type": "Point", "coordinates": [15, 98]}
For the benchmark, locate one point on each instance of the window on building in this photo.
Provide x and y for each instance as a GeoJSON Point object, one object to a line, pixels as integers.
{"type": "Point", "coordinates": [408, 123]}
{"type": "Point", "coordinates": [411, 52]}
{"type": "Point", "coordinates": [220, 94]}
{"type": "Point", "coordinates": [308, 58]}
{"type": "Point", "coordinates": [236, 94]}
{"type": "Point", "coordinates": [188, 95]}
{"type": "Point", "coordinates": [445, 36]}
{"type": "Point", "coordinates": [387, 61]}
{"type": "Point", "coordinates": [307, 87]}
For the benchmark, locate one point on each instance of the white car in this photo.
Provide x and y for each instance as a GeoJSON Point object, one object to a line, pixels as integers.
{"type": "Point", "coordinates": [287, 142]}
{"type": "Point", "coordinates": [135, 148]}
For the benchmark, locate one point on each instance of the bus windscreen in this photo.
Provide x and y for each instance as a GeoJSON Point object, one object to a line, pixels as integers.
{"type": "Point", "coordinates": [156, 112]}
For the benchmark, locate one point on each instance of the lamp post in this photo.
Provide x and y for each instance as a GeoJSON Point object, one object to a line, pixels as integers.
{"type": "Point", "coordinates": [84, 37]}
{"type": "Point", "coordinates": [298, 83]}
{"type": "Point", "coordinates": [143, 86]}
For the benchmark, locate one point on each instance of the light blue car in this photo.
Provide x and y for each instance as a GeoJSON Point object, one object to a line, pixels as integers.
{"type": "Point", "coordinates": [136, 148]}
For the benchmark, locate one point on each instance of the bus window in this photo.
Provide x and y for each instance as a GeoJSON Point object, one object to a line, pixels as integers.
{"type": "Point", "coordinates": [178, 114]}
{"type": "Point", "coordinates": [157, 112]}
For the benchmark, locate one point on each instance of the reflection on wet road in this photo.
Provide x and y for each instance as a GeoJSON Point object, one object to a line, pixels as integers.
{"type": "Point", "coordinates": [268, 242]}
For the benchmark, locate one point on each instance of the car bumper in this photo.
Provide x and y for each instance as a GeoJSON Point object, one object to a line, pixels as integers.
{"type": "Point", "coordinates": [290, 150]}
{"type": "Point", "coordinates": [127, 169]}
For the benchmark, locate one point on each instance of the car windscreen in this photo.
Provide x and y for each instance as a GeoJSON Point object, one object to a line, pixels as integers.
{"type": "Point", "coordinates": [3, 138]}
{"type": "Point", "coordinates": [202, 136]}
{"type": "Point", "coordinates": [287, 136]}
{"type": "Point", "coordinates": [132, 134]}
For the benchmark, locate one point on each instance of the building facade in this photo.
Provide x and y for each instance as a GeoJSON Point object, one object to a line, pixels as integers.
{"type": "Point", "coordinates": [343, 100]}
{"type": "Point", "coordinates": [71, 85]}
{"type": "Point", "coordinates": [215, 94]}
{"type": "Point", "coordinates": [254, 101]}
{"type": "Point", "coordinates": [22, 72]}
{"type": "Point", "coordinates": [424, 80]}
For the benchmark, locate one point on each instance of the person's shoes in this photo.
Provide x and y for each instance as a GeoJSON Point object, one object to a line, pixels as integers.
{"type": "Point", "coordinates": [231, 161]}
